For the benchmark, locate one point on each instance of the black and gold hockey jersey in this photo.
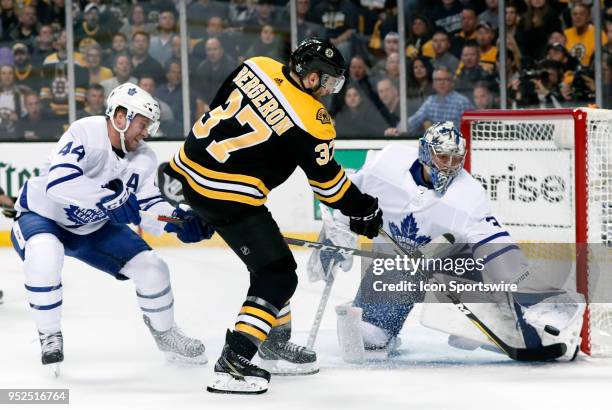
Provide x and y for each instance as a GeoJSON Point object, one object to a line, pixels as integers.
{"type": "Point", "coordinates": [262, 125]}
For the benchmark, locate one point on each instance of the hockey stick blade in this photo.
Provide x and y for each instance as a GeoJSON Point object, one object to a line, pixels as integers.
{"type": "Point", "coordinates": [542, 353]}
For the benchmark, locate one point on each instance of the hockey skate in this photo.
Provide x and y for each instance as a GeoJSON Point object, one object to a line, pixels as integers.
{"type": "Point", "coordinates": [1, 297]}
{"type": "Point", "coordinates": [284, 358]}
{"type": "Point", "coordinates": [235, 374]}
{"type": "Point", "coordinates": [52, 350]}
{"type": "Point", "coordinates": [176, 346]}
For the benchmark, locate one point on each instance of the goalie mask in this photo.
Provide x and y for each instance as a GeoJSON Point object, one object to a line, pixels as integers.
{"type": "Point", "coordinates": [136, 101]}
{"type": "Point", "coordinates": [442, 150]}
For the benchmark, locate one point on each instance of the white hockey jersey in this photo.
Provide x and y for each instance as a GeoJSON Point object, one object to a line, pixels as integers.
{"type": "Point", "coordinates": [414, 214]}
{"type": "Point", "coordinates": [72, 180]}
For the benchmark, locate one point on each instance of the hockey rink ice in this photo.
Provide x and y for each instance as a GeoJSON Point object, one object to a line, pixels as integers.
{"type": "Point", "coordinates": [111, 361]}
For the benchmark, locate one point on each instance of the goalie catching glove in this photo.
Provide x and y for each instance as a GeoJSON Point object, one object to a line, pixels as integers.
{"type": "Point", "coordinates": [322, 263]}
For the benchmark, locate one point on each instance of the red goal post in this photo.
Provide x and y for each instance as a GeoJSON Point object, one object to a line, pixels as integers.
{"type": "Point", "coordinates": [548, 173]}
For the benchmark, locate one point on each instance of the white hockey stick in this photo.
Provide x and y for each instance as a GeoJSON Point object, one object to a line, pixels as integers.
{"type": "Point", "coordinates": [314, 329]}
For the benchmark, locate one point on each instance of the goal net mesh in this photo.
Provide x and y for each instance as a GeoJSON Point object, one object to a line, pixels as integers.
{"type": "Point", "coordinates": [527, 165]}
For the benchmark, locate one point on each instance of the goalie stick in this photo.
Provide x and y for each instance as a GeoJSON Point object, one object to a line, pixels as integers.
{"type": "Point", "coordinates": [542, 353]}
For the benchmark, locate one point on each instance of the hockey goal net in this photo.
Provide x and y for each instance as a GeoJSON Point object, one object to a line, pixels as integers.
{"type": "Point", "coordinates": [548, 174]}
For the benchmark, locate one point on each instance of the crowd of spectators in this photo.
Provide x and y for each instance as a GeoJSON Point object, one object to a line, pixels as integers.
{"type": "Point", "coordinates": [451, 57]}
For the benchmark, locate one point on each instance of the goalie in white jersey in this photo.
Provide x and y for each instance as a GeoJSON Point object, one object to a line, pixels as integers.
{"type": "Point", "coordinates": [425, 193]}
{"type": "Point", "coordinates": [96, 180]}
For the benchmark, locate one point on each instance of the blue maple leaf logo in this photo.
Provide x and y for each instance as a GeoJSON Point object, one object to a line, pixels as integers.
{"type": "Point", "coordinates": [132, 91]}
{"type": "Point", "coordinates": [408, 233]}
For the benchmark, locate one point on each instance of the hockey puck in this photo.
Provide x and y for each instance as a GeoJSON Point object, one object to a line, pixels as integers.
{"type": "Point", "coordinates": [551, 330]}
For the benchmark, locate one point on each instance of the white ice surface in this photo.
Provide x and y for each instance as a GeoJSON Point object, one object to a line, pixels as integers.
{"type": "Point", "coordinates": [111, 361]}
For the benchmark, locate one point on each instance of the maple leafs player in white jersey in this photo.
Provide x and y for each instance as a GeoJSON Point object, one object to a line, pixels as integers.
{"type": "Point", "coordinates": [425, 193]}
{"type": "Point", "coordinates": [96, 180]}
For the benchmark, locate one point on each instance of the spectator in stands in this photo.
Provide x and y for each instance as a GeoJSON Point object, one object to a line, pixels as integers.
{"type": "Point", "coordinates": [142, 62]}
{"type": "Point", "coordinates": [11, 100]}
{"type": "Point", "coordinates": [340, 18]}
{"type": "Point", "coordinates": [419, 83]}
{"type": "Point", "coordinates": [55, 85]}
{"type": "Point", "coordinates": [538, 22]}
{"type": "Point", "coordinates": [137, 22]}
{"type": "Point", "coordinates": [97, 72]}
{"type": "Point", "coordinates": [90, 28]}
{"type": "Point", "coordinates": [485, 37]}
{"type": "Point", "coordinates": [490, 14]}
{"type": "Point", "coordinates": [607, 47]}
{"type": "Point", "coordinates": [418, 42]}
{"type": "Point", "coordinates": [199, 14]}
{"type": "Point", "coordinates": [27, 28]}
{"type": "Point", "coordinates": [167, 120]}
{"type": "Point", "coordinates": [441, 46]}
{"type": "Point", "coordinates": [581, 36]}
{"type": "Point", "coordinates": [358, 75]}
{"type": "Point", "coordinates": [215, 28]}
{"type": "Point", "coordinates": [26, 74]}
{"type": "Point", "coordinates": [557, 37]}
{"type": "Point", "coordinates": [358, 118]}
{"type": "Point", "coordinates": [43, 45]}
{"type": "Point", "coordinates": [447, 15]}
{"type": "Point", "coordinates": [172, 94]}
{"type": "Point", "coordinates": [557, 52]}
{"type": "Point", "coordinates": [212, 71]}
{"type": "Point", "coordinates": [119, 47]}
{"type": "Point", "coordinates": [513, 27]}
{"type": "Point", "coordinates": [607, 82]}
{"type": "Point", "coordinates": [542, 90]}
{"type": "Point", "coordinates": [94, 101]}
{"type": "Point", "coordinates": [306, 28]}
{"type": "Point", "coordinates": [445, 105]}
{"type": "Point", "coordinates": [52, 13]}
{"type": "Point", "coordinates": [470, 70]}
{"type": "Point", "coordinates": [389, 95]}
{"type": "Point", "coordinates": [390, 45]}
{"type": "Point", "coordinates": [483, 97]}
{"type": "Point", "coordinates": [37, 123]}
{"type": "Point", "coordinates": [8, 18]}
{"type": "Point", "coordinates": [161, 44]}
{"type": "Point", "coordinates": [239, 12]}
{"type": "Point", "coordinates": [265, 14]}
{"type": "Point", "coordinates": [469, 25]}
{"type": "Point", "coordinates": [122, 73]}
{"type": "Point", "coordinates": [269, 44]}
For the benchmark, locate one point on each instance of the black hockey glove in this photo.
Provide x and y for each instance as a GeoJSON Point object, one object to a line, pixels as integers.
{"type": "Point", "coordinates": [370, 222]}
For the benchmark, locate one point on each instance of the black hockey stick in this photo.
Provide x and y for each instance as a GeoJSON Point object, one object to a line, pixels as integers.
{"type": "Point", "coordinates": [339, 249]}
{"type": "Point", "coordinates": [542, 353]}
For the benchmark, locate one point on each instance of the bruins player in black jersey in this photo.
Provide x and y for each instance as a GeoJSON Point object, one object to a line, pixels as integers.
{"type": "Point", "coordinates": [265, 121]}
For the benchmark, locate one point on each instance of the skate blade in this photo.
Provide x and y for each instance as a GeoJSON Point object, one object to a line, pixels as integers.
{"type": "Point", "coordinates": [227, 384]}
{"type": "Point", "coordinates": [285, 368]}
{"type": "Point", "coordinates": [54, 368]}
{"type": "Point", "coordinates": [195, 361]}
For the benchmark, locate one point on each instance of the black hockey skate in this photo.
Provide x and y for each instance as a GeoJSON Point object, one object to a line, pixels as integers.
{"type": "Point", "coordinates": [235, 374]}
{"type": "Point", "coordinates": [284, 358]}
{"type": "Point", "coordinates": [1, 297]}
{"type": "Point", "coordinates": [52, 350]}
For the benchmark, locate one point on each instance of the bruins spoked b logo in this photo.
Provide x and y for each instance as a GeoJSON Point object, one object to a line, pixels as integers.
{"type": "Point", "coordinates": [323, 116]}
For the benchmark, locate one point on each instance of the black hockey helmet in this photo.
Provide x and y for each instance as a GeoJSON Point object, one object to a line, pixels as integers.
{"type": "Point", "coordinates": [321, 56]}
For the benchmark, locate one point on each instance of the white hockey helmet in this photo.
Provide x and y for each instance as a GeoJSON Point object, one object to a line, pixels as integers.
{"type": "Point", "coordinates": [136, 101]}
{"type": "Point", "coordinates": [442, 149]}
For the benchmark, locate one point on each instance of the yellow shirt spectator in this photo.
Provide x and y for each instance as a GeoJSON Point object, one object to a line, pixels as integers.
{"type": "Point", "coordinates": [582, 46]}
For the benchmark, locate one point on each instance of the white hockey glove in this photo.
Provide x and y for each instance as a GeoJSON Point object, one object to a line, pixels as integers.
{"type": "Point", "coordinates": [322, 264]}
